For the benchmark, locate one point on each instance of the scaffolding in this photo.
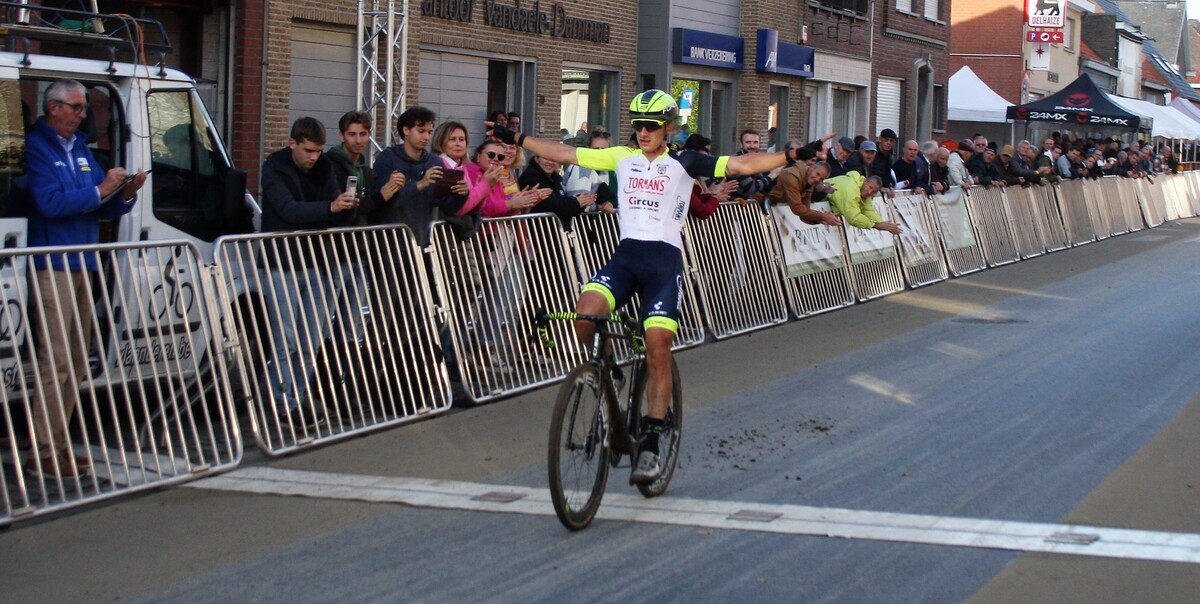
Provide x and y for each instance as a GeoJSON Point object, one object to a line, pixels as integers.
{"type": "Point", "coordinates": [382, 61]}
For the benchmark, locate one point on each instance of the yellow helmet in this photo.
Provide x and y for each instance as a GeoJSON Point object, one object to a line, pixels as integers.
{"type": "Point", "coordinates": [653, 105]}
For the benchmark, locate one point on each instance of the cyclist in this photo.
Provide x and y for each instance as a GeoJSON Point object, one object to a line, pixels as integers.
{"type": "Point", "coordinates": [654, 187]}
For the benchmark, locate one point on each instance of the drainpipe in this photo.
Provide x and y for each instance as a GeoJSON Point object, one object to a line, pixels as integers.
{"type": "Point", "coordinates": [262, 92]}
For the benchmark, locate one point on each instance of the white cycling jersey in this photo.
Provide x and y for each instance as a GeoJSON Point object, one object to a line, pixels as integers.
{"type": "Point", "coordinates": [653, 196]}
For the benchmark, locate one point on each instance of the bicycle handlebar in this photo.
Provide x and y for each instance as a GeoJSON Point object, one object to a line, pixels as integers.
{"type": "Point", "coordinates": [542, 321]}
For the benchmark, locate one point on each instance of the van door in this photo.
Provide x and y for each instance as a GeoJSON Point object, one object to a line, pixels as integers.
{"type": "Point", "coordinates": [13, 284]}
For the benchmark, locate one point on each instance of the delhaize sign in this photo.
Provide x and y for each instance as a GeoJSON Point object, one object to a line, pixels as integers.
{"type": "Point", "coordinates": [1045, 13]}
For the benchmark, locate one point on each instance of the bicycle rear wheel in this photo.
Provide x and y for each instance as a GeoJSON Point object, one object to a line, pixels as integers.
{"type": "Point", "coordinates": [668, 442]}
{"type": "Point", "coordinates": [578, 453]}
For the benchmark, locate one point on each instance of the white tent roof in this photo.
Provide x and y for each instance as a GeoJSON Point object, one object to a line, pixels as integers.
{"type": "Point", "coordinates": [971, 100]}
{"type": "Point", "coordinates": [1169, 122]}
{"type": "Point", "coordinates": [1186, 107]}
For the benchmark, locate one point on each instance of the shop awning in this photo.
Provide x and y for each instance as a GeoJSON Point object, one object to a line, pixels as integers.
{"type": "Point", "coordinates": [972, 100]}
{"type": "Point", "coordinates": [1081, 103]}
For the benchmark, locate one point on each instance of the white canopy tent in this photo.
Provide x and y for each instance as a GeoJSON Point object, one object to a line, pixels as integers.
{"type": "Point", "coordinates": [1186, 107]}
{"type": "Point", "coordinates": [1169, 122]}
{"type": "Point", "coordinates": [971, 100]}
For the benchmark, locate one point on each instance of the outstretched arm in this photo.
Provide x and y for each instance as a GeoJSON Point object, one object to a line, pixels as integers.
{"type": "Point", "coordinates": [753, 163]}
{"type": "Point", "coordinates": [553, 150]}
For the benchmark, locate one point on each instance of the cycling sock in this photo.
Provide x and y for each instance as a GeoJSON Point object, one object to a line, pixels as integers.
{"type": "Point", "coordinates": [651, 429]}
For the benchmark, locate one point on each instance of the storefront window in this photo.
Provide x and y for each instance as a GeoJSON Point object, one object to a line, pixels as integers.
{"type": "Point", "coordinates": [843, 112]}
{"type": "Point", "coordinates": [588, 102]}
{"type": "Point", "coordinates": [777, 121]}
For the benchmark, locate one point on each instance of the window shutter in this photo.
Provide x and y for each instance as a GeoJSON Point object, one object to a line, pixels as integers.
{"type": "Point", "coordinates": [887, 105]}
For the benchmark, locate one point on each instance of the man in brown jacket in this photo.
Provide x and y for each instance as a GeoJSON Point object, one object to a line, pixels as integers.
{"type": "Point", "coordinates": [795, 186]}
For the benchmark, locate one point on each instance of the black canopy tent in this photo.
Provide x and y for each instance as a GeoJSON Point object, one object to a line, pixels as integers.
{"type": "Point", "coordinates": [1081, 104]}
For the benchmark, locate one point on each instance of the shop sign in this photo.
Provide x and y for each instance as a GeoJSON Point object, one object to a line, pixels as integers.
{"type": "Point", "coordinates": [705, 48]}
{"type": "Point", "coordinates": [783, 57]}
{"type": "Point", "coordinates": [529, 19]}
{"type": "Point", "coordinates": [1045, 13]}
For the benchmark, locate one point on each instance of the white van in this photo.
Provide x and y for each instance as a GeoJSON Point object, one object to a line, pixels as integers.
{"type": "Point", "coordinates": [141, 117]}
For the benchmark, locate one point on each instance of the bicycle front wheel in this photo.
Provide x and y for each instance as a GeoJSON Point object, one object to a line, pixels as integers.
{"type": "Point", "coordinates": [668, 442]}
{"type": "Point", "coordinates": [578, 453]}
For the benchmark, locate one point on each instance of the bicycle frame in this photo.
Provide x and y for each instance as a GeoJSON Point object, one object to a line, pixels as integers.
{"type": "Point", "coordinates": [622, 434]}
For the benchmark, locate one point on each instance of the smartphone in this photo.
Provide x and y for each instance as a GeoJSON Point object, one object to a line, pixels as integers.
{"type": "Point", "coordinates": [132, 175]}
{"type": "Point", "coordinates": [449, 178]}
{"type": "Point", "coordinates": [352, 184]}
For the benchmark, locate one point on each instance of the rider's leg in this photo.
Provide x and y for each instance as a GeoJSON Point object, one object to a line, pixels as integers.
{"type": "Point", "coordinates": [660, 382]}
{"type": "Point", "coordinates": [592, 301]}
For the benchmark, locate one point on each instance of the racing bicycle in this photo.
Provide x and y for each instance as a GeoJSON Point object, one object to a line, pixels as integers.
{"type": "Point", "coordinates": [596, 422]}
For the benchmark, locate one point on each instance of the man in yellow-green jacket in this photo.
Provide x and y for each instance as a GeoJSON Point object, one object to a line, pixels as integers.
{"type": "Point", "coordinates": [851, 198]}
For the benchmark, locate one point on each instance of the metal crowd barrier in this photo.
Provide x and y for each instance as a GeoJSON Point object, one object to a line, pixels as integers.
{"type": "Point", "coordinates": [1131, 205]}
{"type": "Point", "coordinates": [1153, 211]}
{"type": "Point", "coordinates": [1193, 189]}
{"type": "Point", "coordinates": [815, 273]}
{"type": "Point", "coordinates": [921, 255]}
{"type": "Point", "coordinates": [1075, 213]}
{"type": "Point", "coordinates": [1049, 217]}
{"type": "Point", "coordinates": [964, 254]}
{"type": "Point", "coordinates": [1108, 198]}
{"type": "Point", "coordinates": [335, 330]}
{"type": "Point", "coordinates": [1164, 186]}
{"type": "Point", "coordinates": [874, 265]}
{"type": "Point", "coordinates": [993, 225]}
{"type": "Point", "coordinates": [1097, 207]}
{"type": "Point", "coordinates": [1176, 194]}
{"type": "Point", "coordinates": [115, 379]}
{"type": "Point", "coordinates": [735, 261]}
{"type": "Point", "coordinates": [594, 238]}
{"type": "Point", "coordinates": [492, 286]}
{"type": "Point", "coordinates": [1026, 226]}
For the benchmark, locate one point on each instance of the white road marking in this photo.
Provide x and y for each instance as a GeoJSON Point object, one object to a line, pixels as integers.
{"type": "Point", "coordinates": [733, 515]}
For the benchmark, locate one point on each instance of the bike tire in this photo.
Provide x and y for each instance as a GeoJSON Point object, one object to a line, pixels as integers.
{"type": "Point", "coordinates": [577, 456]}
{"type": "Point", "coordinates": [672, 430]}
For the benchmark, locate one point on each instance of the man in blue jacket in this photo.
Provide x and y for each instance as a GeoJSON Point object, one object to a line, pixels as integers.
{"type": "Point", "coordinates": [307, 278]}
{"type": "Point", "coordinates": [69, 194]}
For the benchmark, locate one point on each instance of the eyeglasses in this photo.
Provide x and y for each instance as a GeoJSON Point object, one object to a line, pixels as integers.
{"type": "Point", "coordinates": [647, 126]}
{"type": "Point", "coordinates": [76, 107]}
{"type": "Point", "coordinates": [495, 156]}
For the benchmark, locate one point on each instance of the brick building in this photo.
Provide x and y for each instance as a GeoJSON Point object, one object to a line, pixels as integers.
{"type": "Point", "coordinates": [911, 48]}
{"type": "Point", "coordinates": [557, 64]}
{"type": "Point", "coordinates": [560, 65]}
{"type": "Point", "coordinates": [987, 37]}
{"type": "Point", "coordinates": [838, 98]}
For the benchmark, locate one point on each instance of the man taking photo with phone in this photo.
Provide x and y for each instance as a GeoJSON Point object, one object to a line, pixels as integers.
{"type": "Point", "coordinates": [413, 204]}
{"type": "Point", "coordinates": [349, 159]}
{"type": "Point", "coordinates": [300, 193]}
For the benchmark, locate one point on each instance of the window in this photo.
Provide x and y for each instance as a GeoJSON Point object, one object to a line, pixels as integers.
{"type": "Point", "coordinates": [932, 10]}
{"type": "Point", "coordinates": [12, 139]}
{"type": "Point", "coordinates": [887, 107]}
{"type": "Point", "coordinates": [1069, 34]}
{"type": "Point", "coordinates": [777, 121]}
{"type": "Point", "coordinates": [843, 112]}
{"type": "Point", "coordinates": [939, 101]}
{"type": "Point", "coordinates": [195, 190]}
{"type": "Point", "coordinates": [857, 7]}
{"type": "Point", "coordinates": [904, 6]}
{"type": "Point", "coordinates": [20, 105]}
{"type": "Point", "coordinates": [587, 102]}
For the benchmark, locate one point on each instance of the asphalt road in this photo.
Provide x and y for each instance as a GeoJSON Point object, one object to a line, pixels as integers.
{"type": "Point", "coordinates": [1060, 390]}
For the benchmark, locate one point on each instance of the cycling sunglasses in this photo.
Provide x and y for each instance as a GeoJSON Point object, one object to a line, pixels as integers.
{"type": "Point", "coordinates": [648, 126]}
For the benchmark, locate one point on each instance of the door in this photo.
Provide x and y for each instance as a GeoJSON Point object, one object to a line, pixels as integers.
{"type": "Point", "coordinates": [324, 74]}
